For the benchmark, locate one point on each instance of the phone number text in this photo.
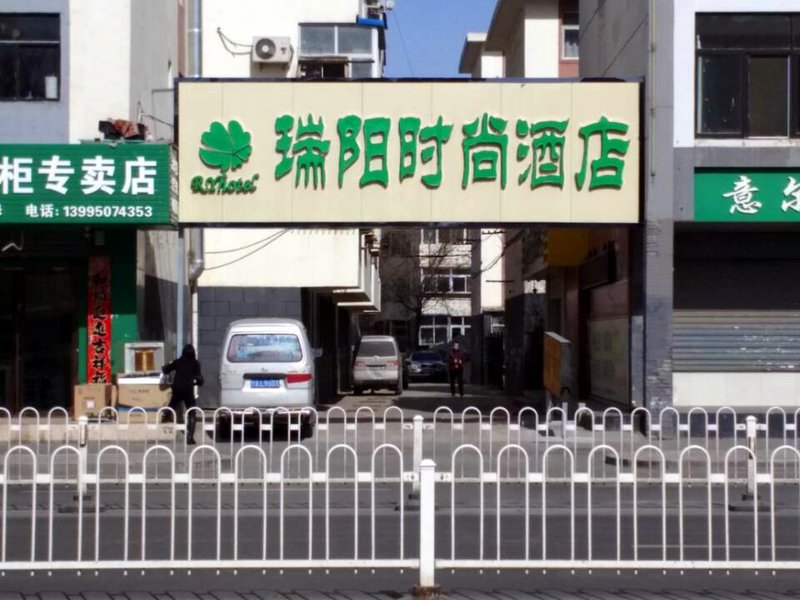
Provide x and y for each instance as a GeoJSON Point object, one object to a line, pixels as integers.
{"type": "Point", "coordinates": [108, 212]}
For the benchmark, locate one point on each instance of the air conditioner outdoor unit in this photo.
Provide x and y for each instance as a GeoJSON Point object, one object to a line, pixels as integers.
{"type": "Point", "coordinates": [272, 50]}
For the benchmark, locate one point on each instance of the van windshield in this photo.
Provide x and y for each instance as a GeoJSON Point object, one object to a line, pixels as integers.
{"type": "Point", "coordinates": [264, 348]}
{"type": "Point", "coordinates": [376, 348]}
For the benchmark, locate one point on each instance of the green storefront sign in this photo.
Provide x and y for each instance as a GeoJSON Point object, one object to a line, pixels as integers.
{"type": "Point", "coordinates": [747, 196]}
{"type": "Point", "coordinates": [85, 183]}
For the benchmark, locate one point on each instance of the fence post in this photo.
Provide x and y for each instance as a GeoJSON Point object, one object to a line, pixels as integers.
{"type": "Point", "coordinates": [751, 428]}
{"type": "Point", "coordinates": [427, 587]}
{"type": "Point", "coordinates": [417, 454]}
{"type": "Point", "coordinates": [83, 449]}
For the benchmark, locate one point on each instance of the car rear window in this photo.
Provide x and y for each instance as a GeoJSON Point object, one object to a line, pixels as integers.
{"type": "Point", "coordinates": [264, 348]}
{"type": "Point", "coordinates": [376, 348]}
{"type": "Point", "coordinates": [431, 356]}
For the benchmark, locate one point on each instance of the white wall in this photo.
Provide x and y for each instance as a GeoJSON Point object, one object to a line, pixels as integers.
{"type": "Point", "coordinates": [153, 64]}
{"type": "Point", "coordinates": [248, 18]}
{"type": "Point", "coordinates": [541, 38]}
{"type": "Point", "coordinates": [736, 389]}
{"type": "Point", "coordinates": [315, 258]}
{"type": "Point", "coordinates": [491, 276]}
{"type": "Point", "coordinates": [100, 65]}
{"type": "Point", "coordinates": [492, 64]}
{"type": "Point", "coordinates": [455, 307]}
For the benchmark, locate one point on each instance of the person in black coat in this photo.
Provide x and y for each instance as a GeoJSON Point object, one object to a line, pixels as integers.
{"type": "Point", "coordinates": [187, 374]}
{"type": "Point", "coordinates": [455, 366]}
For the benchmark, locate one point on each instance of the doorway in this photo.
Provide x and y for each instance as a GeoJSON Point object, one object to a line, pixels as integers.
{"type": "Point", "coordinates": [38, 336]}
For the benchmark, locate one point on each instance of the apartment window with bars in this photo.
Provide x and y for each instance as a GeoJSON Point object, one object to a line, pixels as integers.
{"type": "Point", "coordinates": [747, 73]}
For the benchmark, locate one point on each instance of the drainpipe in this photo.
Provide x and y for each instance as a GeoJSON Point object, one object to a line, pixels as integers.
{"type": "Point", "coordinates": [194, 42]}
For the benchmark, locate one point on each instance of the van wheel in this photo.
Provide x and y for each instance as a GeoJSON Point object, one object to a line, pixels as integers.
{"type": "Point", "coordinates": [306, 429]}
{"type": "Point", "coordinates": [357, 391]}
{"type": "Point", "coordinates": [398, 390]}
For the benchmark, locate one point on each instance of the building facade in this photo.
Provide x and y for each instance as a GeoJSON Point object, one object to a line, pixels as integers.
{"type": "Point", "coordinates": [427, 285]}
{"type": "Point", "coordinates": [323, 276]}
{"type": "Point", "coordinates": [719, 308]}
{"type": "Point", "coordinates": [87, 250]}
{"type": "Point", "coordinates": [573, 281]}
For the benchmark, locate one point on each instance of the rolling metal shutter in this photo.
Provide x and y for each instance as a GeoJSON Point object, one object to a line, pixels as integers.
{"type": "Point", "coordinates": [736, 340]}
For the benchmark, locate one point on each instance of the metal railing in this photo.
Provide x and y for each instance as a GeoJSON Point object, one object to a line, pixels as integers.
{"type": "Point", "coordinates": [341, 512]}
{"type": "Point", "coordinates": [435, 437]}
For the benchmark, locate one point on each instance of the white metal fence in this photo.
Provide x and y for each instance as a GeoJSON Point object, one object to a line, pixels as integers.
{"type": "Point", "coordinates": [562, 512]}
{"type": "Point", "coordinates": [435, 437]}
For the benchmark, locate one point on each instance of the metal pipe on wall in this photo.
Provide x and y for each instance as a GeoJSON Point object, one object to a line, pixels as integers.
{"type": "Point", "coordinates": [194, 42]}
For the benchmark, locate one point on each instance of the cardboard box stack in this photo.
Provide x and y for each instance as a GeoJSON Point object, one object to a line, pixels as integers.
{"type": "Point", "coordinates": [90, 398]}
{"type": "Point", "coordinates": [143, 391]}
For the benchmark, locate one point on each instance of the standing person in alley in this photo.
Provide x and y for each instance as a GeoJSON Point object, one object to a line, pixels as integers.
{"type": "Point", "coordinates": [187, 375]}
{"type": "Point", "coordinates": [455, 364]}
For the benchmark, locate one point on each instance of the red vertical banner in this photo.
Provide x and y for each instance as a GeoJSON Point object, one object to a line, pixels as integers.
{"type": "Point", "coordinates": [98, 363]}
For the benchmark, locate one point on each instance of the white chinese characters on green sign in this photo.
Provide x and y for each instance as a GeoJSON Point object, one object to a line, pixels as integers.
{"type": "Point", "coordinates": [98, 183]}
{"type": "Point", "coordinates": [766, 195]}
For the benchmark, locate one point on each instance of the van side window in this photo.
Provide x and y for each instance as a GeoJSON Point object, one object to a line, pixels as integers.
{"type": "Point", "coordinates": [264, 348]}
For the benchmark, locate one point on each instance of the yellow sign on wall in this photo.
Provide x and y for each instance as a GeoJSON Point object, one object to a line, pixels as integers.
{"type": "Point", "coordinates": [408, 152]}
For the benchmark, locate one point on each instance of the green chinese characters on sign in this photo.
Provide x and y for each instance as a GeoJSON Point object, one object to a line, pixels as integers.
{"type": "Point", "coordinates": [606, 171]}
{"type": "Point", "coordinates": [433, 136]}
{"type": "Point", "coordinates": [545, 152]}
{"type": "Point", "coordinates": [376, 141]}
{"type": "Point", "coordinates": [307, 148]}
{"type": "Point", "coordinates": [485, 147]}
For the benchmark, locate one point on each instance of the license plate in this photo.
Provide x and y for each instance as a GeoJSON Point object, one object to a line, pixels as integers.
{"type": "Point", "coordinates": [264, 383]}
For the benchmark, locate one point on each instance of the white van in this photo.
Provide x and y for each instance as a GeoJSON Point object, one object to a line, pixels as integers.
{"type": "Point", "coordinates": [377, 365]}
{"type": "Point", "coordinates": [267, 364]}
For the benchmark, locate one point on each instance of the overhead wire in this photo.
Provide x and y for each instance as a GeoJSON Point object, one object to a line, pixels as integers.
{"type": "Point", "coordinates": [240, 248]}
{"type": "Point", "coordinates": [403, 42]}
{"type": "Point", "coordinates": [266, 243]}
{"type": "Point", "coordinates": [226, 41]}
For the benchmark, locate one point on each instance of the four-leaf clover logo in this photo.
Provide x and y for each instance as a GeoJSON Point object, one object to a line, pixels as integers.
{"type": "Point", "coordinates": [225, 148]}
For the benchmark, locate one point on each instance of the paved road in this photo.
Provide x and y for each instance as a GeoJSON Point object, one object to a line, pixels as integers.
{"type": "Point", "coordinates": [293, 585]}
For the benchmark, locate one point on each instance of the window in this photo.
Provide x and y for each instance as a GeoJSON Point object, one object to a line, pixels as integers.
{"type": "Point", "coordinates": [434, 330]}
{"type": "Point", "coordinates": [324, 70]}
{"type": "Point", "coordinates": [376, 348]}
{"type": "Point", "coordinates": [30, 56]}
{"type": "Point", "coordinates": [457, 236]}
{"type": "Point", "coordinates": [350, 44]}
{"type": "Point", "coordinates": [747, 73]}
{"type": "Point", "coordinates": [570, 36]}
{"type": "Point", "coordinates": [446, 281]}
{"type": "Point", "coordinates": [264, 348]}
{"type": "Point", "coordinates": [335, 40]}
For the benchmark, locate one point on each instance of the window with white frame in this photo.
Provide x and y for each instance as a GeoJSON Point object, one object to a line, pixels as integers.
{"type": "Point", "coordinates": [336, 51]}
{"type": "Point", "coordinates": [446, 281]}
{"type": "Point", "coordinates": [456, 236]}
{"type": "Point", "coordinates": [747, 74]}
{"type": "Point", "coordinates": [570, 36]}
{"type": "Point", "coordinates": [30, 56]}
{"type": "Point", "coordinates": [441, 329]}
